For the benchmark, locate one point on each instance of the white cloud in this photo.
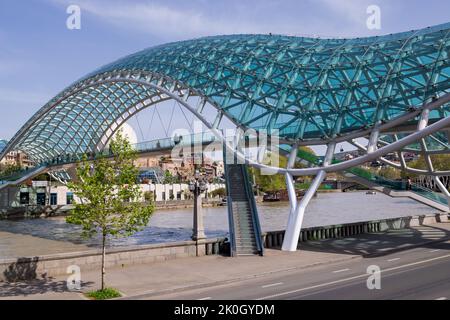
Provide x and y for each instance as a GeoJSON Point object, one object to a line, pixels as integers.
{"type": "Point", "coordinates": [158, 19]}
{"type": "Point", "coordinates": [184, 20]}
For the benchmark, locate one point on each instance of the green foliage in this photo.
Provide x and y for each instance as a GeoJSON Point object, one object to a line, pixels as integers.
{"type": "Point", "coordinates": [306, 185]}
{"type": "Point", "coordinates": [108, 192]}
{"type": "Point", "coordinates": [105, 294]}
{"type": "Point", "coordinates": [9, 169]}
{"type": "Point", "coordinates": [307, 154]}
{"type": "Point", "coordinates": [441, 162]}
{"type": "Point", "coordinates": [169, 178]}
{"type": "Point", "coordinates": [361, 172]}
{"type": "Point", "coordinates": [273, 183]}
{"type": "Point", "coordinates": [149, 196]}
{"type": "Point", "coordinates": [270, 183]}
{"type": "Point", "coordinates": [221, 192]}
{"type": "Point", "coordinates": [390, 173]}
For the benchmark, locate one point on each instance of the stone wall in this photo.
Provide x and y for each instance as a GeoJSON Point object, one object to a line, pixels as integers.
{"type": "Point", "coordinates": [274, 239]}
{"type": "Point", "coordinates": [27, 268]}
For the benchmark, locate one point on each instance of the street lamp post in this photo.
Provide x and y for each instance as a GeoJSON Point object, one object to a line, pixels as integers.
{"type": "Point", "coordinates": [197, 187]}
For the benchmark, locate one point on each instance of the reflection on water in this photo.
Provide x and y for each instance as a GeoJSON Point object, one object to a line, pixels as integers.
{"type": "Point", "coordinates": [175, 225]}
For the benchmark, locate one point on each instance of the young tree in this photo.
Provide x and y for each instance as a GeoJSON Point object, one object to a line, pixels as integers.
{"type": "Point", "coordinates": [109, 197]}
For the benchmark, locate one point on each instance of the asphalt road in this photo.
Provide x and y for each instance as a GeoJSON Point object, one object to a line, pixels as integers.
{"type": "Point", "coordinates": [422, 273]}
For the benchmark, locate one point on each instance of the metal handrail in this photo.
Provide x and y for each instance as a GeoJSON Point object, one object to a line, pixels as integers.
{"type": "Point", "coordinates": [231, 221]}
{"type": "Point", "coordinates": [229, 209]}
{"type": "Point", "coordinates": [254, 210]}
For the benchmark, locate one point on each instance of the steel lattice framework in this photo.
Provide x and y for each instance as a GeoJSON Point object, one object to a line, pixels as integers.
{"type": "Point", "coordinates": [312, 90]}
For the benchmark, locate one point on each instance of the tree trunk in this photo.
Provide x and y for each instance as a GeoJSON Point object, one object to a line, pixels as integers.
{"type": "Point", "coordinates": [103, 260]}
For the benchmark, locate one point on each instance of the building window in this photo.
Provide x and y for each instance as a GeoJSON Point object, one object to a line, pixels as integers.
{"type": "Point", "coordinates": [40, 199]}
{"type": "Point", "coordinates": [53, 199]}
{"type": "Point", "coordinates": [69, 198]}
{"type": "Point", "coordinates": [25, 198]}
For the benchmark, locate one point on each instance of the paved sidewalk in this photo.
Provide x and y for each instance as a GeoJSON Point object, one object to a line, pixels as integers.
{"type": "Point", "coordinates": [163, 277]}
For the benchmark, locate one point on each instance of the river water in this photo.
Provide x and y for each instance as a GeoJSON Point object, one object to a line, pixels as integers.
{"type": "Point", "coordinates": [176, 225]}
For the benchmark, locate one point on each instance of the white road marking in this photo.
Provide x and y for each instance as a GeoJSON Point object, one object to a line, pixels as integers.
{"type": "Point", "coordinates": [352, 278]}
{"type": "Point", "coordinates": [207, 298]}
{"type": "Point", "coordinates": [339, 271]}
{"type": "Point", "coordinates": [432, 251]}
{"type": "Point", "coordinates": [441, 299]}
{"type": "Point", "coordinates": [392, 260]}
{"type": "Point", "coordinates": [272, 285]}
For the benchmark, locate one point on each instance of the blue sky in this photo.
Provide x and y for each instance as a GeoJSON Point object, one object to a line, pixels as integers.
{"type": "Point", "coordinates": [39, 56]}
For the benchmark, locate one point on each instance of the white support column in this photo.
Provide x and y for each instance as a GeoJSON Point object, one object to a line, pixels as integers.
{"type": "Point", "coordinates": [295, 222]}
{"type": "Point", "coordinates": [373, 141]}
{"type": "Point", "coordinates": [423, 123]}
{"type": "Point", "coordinates": [424, 118]}
{"type": "Point", "coordinates": [290, 183]}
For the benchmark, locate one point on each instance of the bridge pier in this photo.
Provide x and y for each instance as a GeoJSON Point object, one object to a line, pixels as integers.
{"type": "Point", "coordinates": [297, 213]}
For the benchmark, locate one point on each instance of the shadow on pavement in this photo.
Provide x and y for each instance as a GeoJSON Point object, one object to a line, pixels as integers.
{"type": "Point", "coordinates": [21, 279]}
{"type": "Point", "coordinates": [35, 287]}
{"type": "Point", "coordinates": [378, 244]}
{"type": "Point", "coordinates": [21, 270]}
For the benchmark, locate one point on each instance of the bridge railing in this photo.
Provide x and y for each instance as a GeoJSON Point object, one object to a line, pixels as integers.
{"type": "Point", "coordinates": [148, 146]}
{"type": "Point", "coordinates": [392, 184]}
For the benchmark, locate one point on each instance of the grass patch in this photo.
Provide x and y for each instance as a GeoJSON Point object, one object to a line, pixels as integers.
{"type": "Point", "coordinates": [107, 293]}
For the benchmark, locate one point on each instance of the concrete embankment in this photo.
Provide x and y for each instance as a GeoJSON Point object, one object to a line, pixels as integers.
{"type": "Point", "coordinates": [25, 268]}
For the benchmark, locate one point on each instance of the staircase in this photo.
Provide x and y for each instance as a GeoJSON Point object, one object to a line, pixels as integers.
{"type": "Point", "coordinates": [245, 231]}
{"type": "Point", "coordinates": [397, 189]}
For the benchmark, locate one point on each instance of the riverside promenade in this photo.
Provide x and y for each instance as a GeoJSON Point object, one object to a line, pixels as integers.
{"type": "Point", "coordinates": [168, 278]}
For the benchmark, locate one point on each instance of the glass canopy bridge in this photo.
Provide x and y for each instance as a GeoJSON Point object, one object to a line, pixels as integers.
{"type": "Point", "coordinates": [393, 90]}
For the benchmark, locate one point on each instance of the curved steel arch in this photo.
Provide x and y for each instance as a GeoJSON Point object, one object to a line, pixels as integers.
{"type": "Point", "coordinates": [314, 91]}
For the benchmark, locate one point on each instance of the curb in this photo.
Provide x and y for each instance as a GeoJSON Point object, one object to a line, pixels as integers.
{"type": "Point", "coordinates": [260, 275]}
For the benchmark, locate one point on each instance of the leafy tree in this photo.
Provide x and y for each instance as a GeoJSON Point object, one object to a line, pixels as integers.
{"type": "Point", "coordinates": [169, 178]}
{"type": "Point", "coordinates": [390, 173]}
{"type": "Point", "coordinates": [441, 162]}
{"type": "Point", "coordinates": [270, 183]}
{"type": "Point", "coordinates": [108, 196]}
{"type": "Point", "coordinates": [221, 192]}
{"type": "Point", "coordinates": [9, 169]}
{"type": "Point", "coordinates": [149, 196]}
{"type": "Point", "coordinates": [273, 183]}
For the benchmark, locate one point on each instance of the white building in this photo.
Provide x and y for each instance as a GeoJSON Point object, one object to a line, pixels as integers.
{"type": "Point", "coordinates": [41, 193]}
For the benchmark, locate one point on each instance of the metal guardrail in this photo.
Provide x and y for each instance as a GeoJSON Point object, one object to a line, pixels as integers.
{"type": "Point", "coordinates": [275, 238]}
{"type": "Point", "coordinates": [395, 185]}
{"type": "Point", "coordinates": [231, 228]}
{"type": "Point", "coordinates": [254, 210]}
